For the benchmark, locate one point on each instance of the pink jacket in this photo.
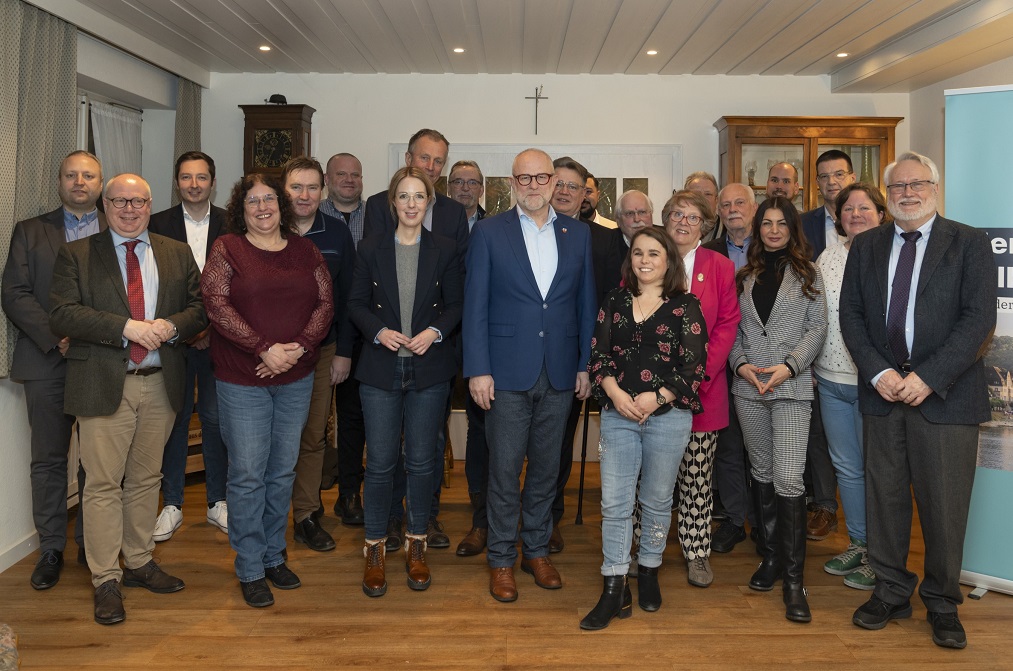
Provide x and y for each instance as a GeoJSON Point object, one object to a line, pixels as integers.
{"type": "Point", "coordinates": [713, 282]}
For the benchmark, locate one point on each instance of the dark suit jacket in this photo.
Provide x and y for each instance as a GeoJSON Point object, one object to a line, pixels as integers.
{"type": "Point", "coordinates": [510, 331]}
{"type": "Point", "coordinates": [25, 295]}
{"type": "Point", "coordinates": [954, 316]}
{"type": "Point", "coordinates": [719, 245]}
{"type": "Point", "coordinates": [814, 225]}
{"type": "Point", "coordinates": [608, 251]}
{"type": "Point", "coordinates": [375, 304]}
{"type": "Point", "coordinates": [449, 220]}
{"type": "Point", "coordinates": [170, 224]}
{"type": "Point", "coordinates": [89, 304]}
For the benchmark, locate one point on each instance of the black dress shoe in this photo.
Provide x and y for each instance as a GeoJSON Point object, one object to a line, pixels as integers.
{"type": "Point", "coordinates": [435, 536]}
{"type": "Point", "coordinates": [395, 535]}
{"type": "Point", "coordinates": [875, 613]}
{"type": "Point", "coordinates": [152, 578]}
{"type": "Point", "coordinates": [47, 569]}
{"type": "Point", "coordinates": [282, 577]}
{"type": "Point", "coordinates": [555, 540]}
{"type": "Point", "coordinates": [349, 508]}
{"type": "Point", "coordinates": [313, 535]}
{"type": "Point", "coordinates": [727, 536]}
{"type": "Point", "coordinates": [109, 603]}
{"type": "Point", "coordinates": [256, 593]}
{"type": "Point", "coordinates": [947, 631]}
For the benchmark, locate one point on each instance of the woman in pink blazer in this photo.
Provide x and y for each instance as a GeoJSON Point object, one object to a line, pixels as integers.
{"type": "Point", "coordinates": [687, 218]}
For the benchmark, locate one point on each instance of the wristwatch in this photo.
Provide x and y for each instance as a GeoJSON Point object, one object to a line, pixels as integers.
{"type": "Point", "coordinates": [661, 398]}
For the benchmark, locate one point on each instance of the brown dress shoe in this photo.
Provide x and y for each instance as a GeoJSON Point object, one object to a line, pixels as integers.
{"type": "Point", "coordinates": [415, 566]}
{"type": "Point", "coordinates": [821, 524]}
{"type": "Point", "coordinates": [546, 575]}
{"type": "Point", "coordinates": [555, 540]}
{"type": "Point", "coordinates": [109, 603]}
{"type": "Point", "coordinates": [374, 581]}
{"type": "Point", "coordinates": [473, 543]}
{"type": "Point", "coordinates": [502, 585]}
{"type": "Point", "coordinates": [152, 578]}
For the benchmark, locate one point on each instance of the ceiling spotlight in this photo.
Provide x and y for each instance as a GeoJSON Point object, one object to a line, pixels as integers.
{"type": "Point", "coordinates": [843, 54]}
{"type": "Point", "coordinates": [652, 52]}
{"type": "Point", "coordinates": [264, 47]}
{"type": "Point", "coordinates": [459, 50]}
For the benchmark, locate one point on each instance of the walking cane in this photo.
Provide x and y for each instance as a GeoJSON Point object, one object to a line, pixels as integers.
{"type": "Point", "coordinates": [583, 459]}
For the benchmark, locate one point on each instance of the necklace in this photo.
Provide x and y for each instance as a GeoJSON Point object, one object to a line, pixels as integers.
{"type": "Point", "coordinates": [647, 315]}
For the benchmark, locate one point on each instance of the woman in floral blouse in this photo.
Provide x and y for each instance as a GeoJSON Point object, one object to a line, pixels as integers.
{"type": "Point", "coordinates": [648, 357]}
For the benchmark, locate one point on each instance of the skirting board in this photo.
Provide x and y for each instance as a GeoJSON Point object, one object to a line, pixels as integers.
{"type": "Point", "coordinates": [989, 582]}
{"type": "Point", "coordinates": [19, 551]}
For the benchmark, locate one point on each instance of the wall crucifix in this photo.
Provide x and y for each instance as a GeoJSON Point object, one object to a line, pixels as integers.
{"type": "Point", "coordinates": [538, 97]}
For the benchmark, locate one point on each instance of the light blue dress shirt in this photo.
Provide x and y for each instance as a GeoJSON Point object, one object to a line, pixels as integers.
{"type": "Point", "coordinates": [738, 254]}
{"type": "Point", "coordinates": [542, 251]}
{"type": "Point", "coordinates": [75, 229]}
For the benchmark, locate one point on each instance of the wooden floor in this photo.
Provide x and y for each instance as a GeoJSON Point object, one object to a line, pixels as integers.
{"type": "Point", "coordinates": [329, 623]}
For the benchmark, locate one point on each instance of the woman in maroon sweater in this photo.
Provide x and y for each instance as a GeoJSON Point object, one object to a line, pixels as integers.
{"type": "Point", "coordinates": [268, 295]}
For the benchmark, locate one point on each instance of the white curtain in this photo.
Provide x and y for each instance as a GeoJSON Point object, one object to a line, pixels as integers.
{"type": "Point", "coordinates": [117, 133]}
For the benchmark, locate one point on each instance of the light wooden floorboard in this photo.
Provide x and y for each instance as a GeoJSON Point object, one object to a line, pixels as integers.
{"type": "Point", "coordinates": [329, 623]}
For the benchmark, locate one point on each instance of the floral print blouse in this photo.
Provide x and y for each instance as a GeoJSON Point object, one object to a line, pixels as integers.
{"type": "Point", "coordinates": [668, 349]}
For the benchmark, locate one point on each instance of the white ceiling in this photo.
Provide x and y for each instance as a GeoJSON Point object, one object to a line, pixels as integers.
{"type": "Point", "coordinates": [894, 45]}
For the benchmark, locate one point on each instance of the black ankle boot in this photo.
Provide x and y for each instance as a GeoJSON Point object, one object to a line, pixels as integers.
{"type": "Point", "coordinates": [615, 601]}
{"type": "Point", "coordinates": [648, 590]}
{"type": "Point", "coordinates": [765, 504]}
{"type": "Point", "coordinates": [791, 523]}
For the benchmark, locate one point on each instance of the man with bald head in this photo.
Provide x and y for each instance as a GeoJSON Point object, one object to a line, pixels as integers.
{"type": "Point", "coordinates": [529, 312]}
{"type": "Point", "coordinates": [128, 300]}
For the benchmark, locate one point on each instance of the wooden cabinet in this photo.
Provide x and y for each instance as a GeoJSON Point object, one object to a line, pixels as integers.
{"type": "Point", "coordinates": [749, 145]}
{"type": "Point", "coordinates": [274, 134]}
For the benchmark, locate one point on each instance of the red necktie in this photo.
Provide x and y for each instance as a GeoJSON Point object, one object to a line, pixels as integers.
{"type": "Point", "coordinates": [135, 296]}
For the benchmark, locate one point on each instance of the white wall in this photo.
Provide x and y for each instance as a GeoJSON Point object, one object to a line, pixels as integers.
{"type": "Point", "coordinates": [362, 114]}
{"type": "Point", "coordinates": [17, 532]}
{"type": "Point", "coordinates": [928, 110]}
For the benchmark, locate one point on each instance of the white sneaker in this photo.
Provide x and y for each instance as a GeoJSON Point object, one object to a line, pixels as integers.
{"type": "Point", "coordinates": [218, 515]}
{"type": "Point", "coordinates": [168, 521]}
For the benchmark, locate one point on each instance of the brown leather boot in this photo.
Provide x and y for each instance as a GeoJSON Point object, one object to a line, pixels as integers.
{"type": "Point", "coordinates": [415, 563]}
{"type": "Point", "coordinates": [374, 582]}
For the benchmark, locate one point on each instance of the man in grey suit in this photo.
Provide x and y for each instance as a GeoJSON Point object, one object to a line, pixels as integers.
{"type": "Point", "coordinates": [38, 354]}
{"type": "Point", "coordinates": [922, 389]}
{"type": "Point", "coordinates": [128, 300]}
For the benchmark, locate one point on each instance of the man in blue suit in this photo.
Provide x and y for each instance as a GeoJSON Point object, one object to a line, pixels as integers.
{"type": "Point", "coordinates": [529, 312]}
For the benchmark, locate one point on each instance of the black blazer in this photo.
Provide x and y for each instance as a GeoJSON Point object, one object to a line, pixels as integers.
{"type": "Point", "coordinates": [954, 316]}
{"type": "Point", "coordinates": [450, 220]}
{"type": "Point", "coordinates": [719, 245]}
{"type": "Point", "coordinates": [814, 226]}
{"type": "Point", "coordinates": [374, 304]}
{"type": "Point", "coordinates": [170, 224]}
{"type": "Point", "coordinates": [608, 251]}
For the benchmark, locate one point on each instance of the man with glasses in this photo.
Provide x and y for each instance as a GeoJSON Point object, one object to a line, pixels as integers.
{"type": "Point", "coordinates": [833, 173]}
{"type": "Point", "coordinates": [529, 312]}
{"type": "Point", "coordinates": [589, 206]}
{"type": "Point", "coordinates": [129, 300]}
{"type": "Point", "coordinates": [706, 185]}
{"type": "Point", "coordinates": [466, 185]}
{"type": "Point", "coordinates": [39, 353]}
{"type": "Point", "coordinates": [917, 312]}
{"type": "Point", "coordinates": [198, 223]}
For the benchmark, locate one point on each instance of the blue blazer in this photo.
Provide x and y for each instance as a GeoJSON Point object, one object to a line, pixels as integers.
{"type": "Point", "coordinates": [510, 331]}
{"type": "Point", "coordinates": [814, 227]}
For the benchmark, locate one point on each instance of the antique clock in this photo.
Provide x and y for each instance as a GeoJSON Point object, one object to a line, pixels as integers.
{"type": "Point", "coordinates": [274, 134]}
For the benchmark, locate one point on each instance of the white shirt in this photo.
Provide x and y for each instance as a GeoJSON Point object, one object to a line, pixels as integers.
{"type": "Point", "coordinates": [831, 230]}
{"type": "Point", "coordinates": [542, 251]}
{"type": "Point", "coordinates": [197, 235]}
{"type": "Point", "coordinates": [688, 262]}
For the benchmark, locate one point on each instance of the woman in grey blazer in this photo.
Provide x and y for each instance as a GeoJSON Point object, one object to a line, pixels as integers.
{"type": "Point", "coordinates": [784, 323]}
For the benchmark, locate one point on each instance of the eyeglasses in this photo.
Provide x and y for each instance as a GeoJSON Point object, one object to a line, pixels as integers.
{"type": "Point", "coordinates": [918, 186]}
{"type": "Point", "coordinates": [472, 183]}
{"type": "Point", "coordinates": [541, 178]}
{"type": "Point", "coordinates": [569, 186]}
{"type": "Point", "coordinates": [136, 203]}
{"type": "Point", "coordinates": [630, 214]}
{"type": "Point", "coordinates": [861, 209]}
{"type": "Point", "coordinates": [418, 197]}
{"type": "Point", "coordinates": [838, 175]}
{"type": "Point", "coordinates": [691, 219]}
{"type": "Point", "coordinates": [254, 201]}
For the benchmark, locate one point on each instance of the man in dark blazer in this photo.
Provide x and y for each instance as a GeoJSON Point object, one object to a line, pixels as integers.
{"type": "Point", "coordinates": [427, 149]}
{"type": "Point", "coordinates": [529, 313]}
{"type": "Point", "coordinates": [128, 300]}
{"type": "Point", "coordinates": [38, 354]}
{"type": "Point", "coordinates": [917, 313]}
{"type": "Point", "coordinates": [198, 223]}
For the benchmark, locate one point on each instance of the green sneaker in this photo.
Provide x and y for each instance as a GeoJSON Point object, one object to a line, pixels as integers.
{"type": "Point", "coordinates": [849, 560]}
{"type": "Point", "coordinates": [863, 578]}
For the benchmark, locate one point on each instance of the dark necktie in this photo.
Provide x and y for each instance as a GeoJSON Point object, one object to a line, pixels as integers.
{"type": "Point", "coordinates": [135, 296]}
{"type": "Point", "coordinates": [897, 316]}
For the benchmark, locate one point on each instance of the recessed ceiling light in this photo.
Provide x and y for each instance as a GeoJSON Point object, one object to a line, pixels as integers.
{"type": "Point", "coordinates": [458, 50]}
{"type": "Point", "coordinates": [843, 54]}
{"type": "Point", "coordinates": [652, 52]}
{"type": "Point", "coordinates": [264, 47]}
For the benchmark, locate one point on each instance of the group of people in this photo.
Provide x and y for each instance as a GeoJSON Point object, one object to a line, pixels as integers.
{"type": "Point", "coordinates": [710, 340]}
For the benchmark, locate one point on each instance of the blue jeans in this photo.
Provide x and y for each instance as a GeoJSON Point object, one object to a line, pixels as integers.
{"type": "Point", "coordinates": [419, 413]}
{"type": "Point", "coordinates": [216, 458]}
{"type": "Point", "coordinates": [653, 451]}
{"type": "Point", "coordinates": [842, 422]}
{"type": "Point", "coordinates": [262, 427]}
{"type": "Point", "coordinates": [523, 424]}
{"type": "Point", "coordinates": [400, 488]}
